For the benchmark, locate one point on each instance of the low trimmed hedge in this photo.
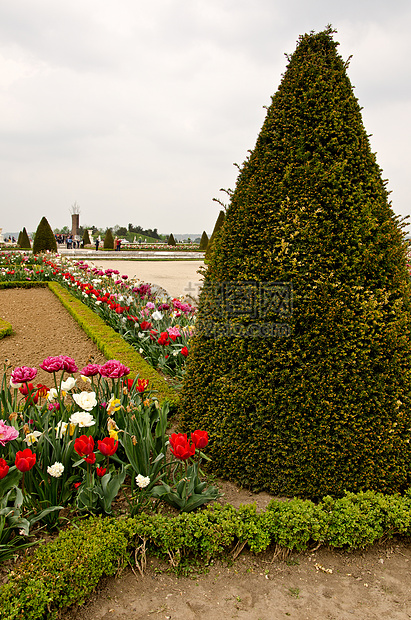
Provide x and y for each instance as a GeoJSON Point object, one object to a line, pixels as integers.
{"type": "Point", "coordinates": [112, 345]}
{"type": "Point", "coordinates": [5, 329]}
{"type": "Point", "coordinates": [66, 570]}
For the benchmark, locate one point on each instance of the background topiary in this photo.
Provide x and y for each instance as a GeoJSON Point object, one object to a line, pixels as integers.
{"type": "Point", "coordinates": [109, 240]}
{"type": "Point", "coordinates": [171, 240]}
{"type": "Point", "coordinates": [217, 226]}
{"type": "Point", "coordinates": [44, 239]}
{"type": "Point", "coordinates": [86, 238]}
{"type": "Point", "coordinates": [19, 238]}
{"type": "Point", "coordinates": [203, 241]}
{"type": "Point", "coordinates": [327, 408]}
{"type": "Point", "coordinates": [23, 240]}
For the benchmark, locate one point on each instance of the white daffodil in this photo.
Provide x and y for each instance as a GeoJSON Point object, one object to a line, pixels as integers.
{"type": "Point", "coordinates": [32, 437]}
{"type": "Point", "coordinates": [61, 429]}
{"type": "Point", "coordinates": [52, 395]}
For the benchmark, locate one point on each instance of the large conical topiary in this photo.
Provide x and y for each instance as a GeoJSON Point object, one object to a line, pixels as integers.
{"type": "Point", "coordinates": [171, 240]}
{"type": "Point", "coordinates": [44, 239]}
{"type": "Point", "coordinates": [23, 240]}
{"type": "Point", "coordinates": [217, 226]}
{"type": "Point", "coordinates": [109, 240]}
{"type": "Point", "coordinates": [203, 241]}
{"type": "Point", "coordinates": [326, 408]}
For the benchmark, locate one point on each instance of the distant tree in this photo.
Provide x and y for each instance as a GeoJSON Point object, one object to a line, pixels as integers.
{"type": "Point", "coordinates": [217, 226]}
{"type": "Point", "coordinates": [171, 240]}
{"type": "Point", "coordinates": [204, 241]}
{"type": "Point", "coordinates": [24, 241]}
{"type": "Point", "coordinates": [86, 238]}
{"type": "Point", "coordinates": [120, 231]}
{"type": "Point", "coordinates": [109, 240]}
{"type": "Point", "coordinates": [44, 239]}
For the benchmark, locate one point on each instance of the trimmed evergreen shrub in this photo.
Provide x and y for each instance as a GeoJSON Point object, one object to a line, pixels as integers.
{"type": "Point", "coordinates": [326, 408]}
{"type": "Point", "coordinates": [171, 240]}
{"type": "Point", "coordinates": [19, 238]}
{"type": "Point", "coordinates": [109, 240]}
{"type": "Point", "coordinates": [217, 226]}
{"type": "Point", "coordinates": [203, 241]}
{"type": "Point", "coordinates": [86, 238]}
{"type": "Point", "coordinates": [44, 238]}
{"type": "Point", "coordinates": [24, 241]}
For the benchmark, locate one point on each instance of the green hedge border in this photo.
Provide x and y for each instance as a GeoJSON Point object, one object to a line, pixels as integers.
{"type": "Point", "coordinates": [5, 329]}
{"type": "Point", "coordinates": [65, 571]}
{"type": "Point", "coordinates": [108, 341]}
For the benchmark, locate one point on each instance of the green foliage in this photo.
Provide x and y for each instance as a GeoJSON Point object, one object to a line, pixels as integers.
{"type": "Point", "coordinates": [203, 242]}
{"type": "Point", "coordinates": [44, 239]}
{"type": "Point", "coordinates": [328, 407]}
{"type": "Point", "coordinates": [5, 329]}
{"type": "Point", "coordinates": [217, 226]}
{"type": "Point", "coordinates": [19, 238]}
{"type": "Point", "coordinates": [109, 240]}
{"type": "Point", "coordinates": [66, 570]}
{"type": "Point", "coordinates": [24, 241]}
{"type": "Point", "coordinates": [86, 238]}
{"type": "Point", "coordinates": [171, 240]}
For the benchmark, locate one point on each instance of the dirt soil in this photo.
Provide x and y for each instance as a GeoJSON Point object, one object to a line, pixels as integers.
{"type": "Point", "coordinates": [313, 585]}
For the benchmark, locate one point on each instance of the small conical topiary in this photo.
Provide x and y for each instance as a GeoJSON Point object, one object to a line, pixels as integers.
{"type": "Point", "coordinates": [304, 387]}
{"type": "Point", "coordinates": [44, 239]}
{"type": "Point", "coordinates": [19, 238]}
{"type": "Point", "coordinates": [217, 227]}
{"type": "Point", "coordinates": [109, 240]}
{"type": "Point", "coordinates": [203, 241]}
{"type": "Point", "coordinates": [24, 241]}
{"type": "Point", "coordinates": [86, 238]}
{"type": "Point", "coordinates": [171, 240]}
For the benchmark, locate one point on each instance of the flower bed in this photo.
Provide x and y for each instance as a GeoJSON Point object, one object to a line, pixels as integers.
{"type": "Point", "coordinates": [83, 439]}
{"type": "Point", "coordinates": [157, 326]}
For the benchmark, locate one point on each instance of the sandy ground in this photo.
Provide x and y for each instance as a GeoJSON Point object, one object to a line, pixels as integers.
{"type": "Point", "coordinates": [314, 585]}
{"type": "Point", "coordinates": [178, 278]}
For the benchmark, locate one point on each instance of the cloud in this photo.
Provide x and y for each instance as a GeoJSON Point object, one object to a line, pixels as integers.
{"type": "Point", "coordinates": [138, 112]}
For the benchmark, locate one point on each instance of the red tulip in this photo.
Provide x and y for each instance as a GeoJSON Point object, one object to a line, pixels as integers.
{"type": "Point", "coordinates": [181, 447]}
{"type": "Point", "coordinates": [84, 445]}
{"type": "Point", "coordinates": [25, 460]}
{"type": "Point", "coordinates": [184, 351]}
{"type": "Point", "coordinates": [163, 340]}
{"type": "Point", "coordinates": [142, 385]}
{"type": "Point", "coordinates": [100, 471]}
{"type": "Point", "coordinates": [42, 390]}
{"type": "Point", "coordinates": [90, 458]}
{"type": "Point", "coordinates": [107, 446]}
{"type": "Point", "coordinates": [27, 389]}
{"type": "Point", "coordinates": [4, 469]}
{"type": "Point", "coordinates": [200, 439]}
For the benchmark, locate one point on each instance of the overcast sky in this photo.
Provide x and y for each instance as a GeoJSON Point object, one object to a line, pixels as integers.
{"type": "Point", "coordinates": [137, 110]}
